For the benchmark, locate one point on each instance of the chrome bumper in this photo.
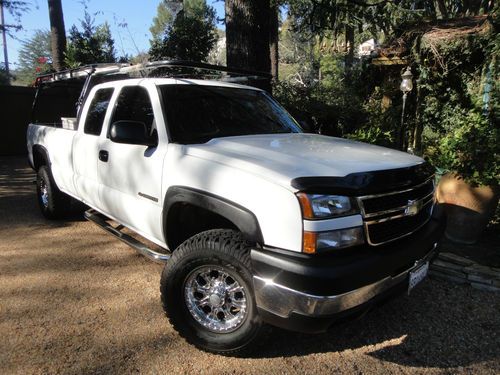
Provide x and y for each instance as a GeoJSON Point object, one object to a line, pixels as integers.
{"type": "Point", "coordinates": [282, 301]}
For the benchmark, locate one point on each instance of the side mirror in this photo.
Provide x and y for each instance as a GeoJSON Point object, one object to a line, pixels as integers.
{"type": "Point", "coordinates": [307, 127]}
{"type": "Point", "coordinates": [132, 133]}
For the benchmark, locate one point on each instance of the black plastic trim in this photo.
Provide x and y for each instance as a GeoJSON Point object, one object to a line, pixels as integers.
{"type": "Point", "coordinates": [363, 183]}
{"type": "Point", "coordinates": [345, 270]}
{"type": "Point", "coordinates": [240, 216]}
{"type": "Point", "coordinates": [44, 152]}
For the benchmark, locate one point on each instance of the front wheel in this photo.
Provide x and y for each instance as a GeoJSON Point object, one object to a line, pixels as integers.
{"type": "Point", "coordinates": [207, 292]}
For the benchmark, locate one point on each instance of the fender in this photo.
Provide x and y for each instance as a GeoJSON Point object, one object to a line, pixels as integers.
{"type": "Point", "coordinates": [240, 216]}
{"type": "Point", "coordinates": [42, 151]}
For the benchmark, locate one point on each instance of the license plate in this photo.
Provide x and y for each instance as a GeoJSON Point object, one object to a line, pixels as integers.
{"type": "Point", "coordinates": [416, 276]}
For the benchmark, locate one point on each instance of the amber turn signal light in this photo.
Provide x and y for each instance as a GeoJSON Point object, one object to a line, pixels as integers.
{"type": "Point", "coordinates": [309, 245]}
{"type": "Point", "coordinates": [307, 211]}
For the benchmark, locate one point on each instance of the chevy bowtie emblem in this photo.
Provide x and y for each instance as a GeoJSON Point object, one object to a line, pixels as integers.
{"type": "Point", "coordinates": [413, 207]}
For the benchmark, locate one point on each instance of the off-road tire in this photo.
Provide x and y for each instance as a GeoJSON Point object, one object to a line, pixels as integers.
{"type": "Point", "coordinates": [224, 249]}
{"type": "Point", "coordinates": [53, 203]}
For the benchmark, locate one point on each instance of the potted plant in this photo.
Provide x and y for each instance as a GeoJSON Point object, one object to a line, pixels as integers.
{"type": "Point", "coordinates": [469, 151]}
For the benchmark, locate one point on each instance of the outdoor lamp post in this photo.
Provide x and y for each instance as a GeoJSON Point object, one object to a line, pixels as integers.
{"type": "Point", "coordinates": [406, 87]}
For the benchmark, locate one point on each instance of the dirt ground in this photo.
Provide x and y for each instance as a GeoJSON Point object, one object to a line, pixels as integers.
{"type": "Point", "coordinates": [75, 300]}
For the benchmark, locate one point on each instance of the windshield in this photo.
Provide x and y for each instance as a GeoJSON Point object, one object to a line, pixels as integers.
{"type": "Point", "coordinates": [199, 113]}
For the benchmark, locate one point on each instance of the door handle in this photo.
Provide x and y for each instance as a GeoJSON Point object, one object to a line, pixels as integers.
{"type": "Point", "coordinates": [103, 155]}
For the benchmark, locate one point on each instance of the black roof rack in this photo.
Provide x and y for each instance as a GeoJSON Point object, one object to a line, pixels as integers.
{"type": "Point", "coordinates": [158, 69]}
{"type": "Point", "coordinates": [89, 75]}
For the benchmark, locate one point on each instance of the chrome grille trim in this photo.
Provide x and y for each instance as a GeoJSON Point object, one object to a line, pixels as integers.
{"type": "Point", "coordinates": [389, 218]}
{"type": "Point", "coordinates": [368, 239]}
{"type": "Point", "coordinates": [364, 197]}
{"type": "Point", "coordinates": [399, 212]}
{"type": "Point", "coordinates": [396, 192]}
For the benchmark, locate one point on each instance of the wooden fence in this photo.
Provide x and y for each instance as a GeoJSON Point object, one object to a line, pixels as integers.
{"type": "Point", "coordinates": [15, 115]}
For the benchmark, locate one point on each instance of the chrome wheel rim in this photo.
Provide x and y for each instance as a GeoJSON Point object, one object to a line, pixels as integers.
{"type": "Point", "coordinates": [44, 193]}
{"type": "Point", "coordinates": [216, 299]}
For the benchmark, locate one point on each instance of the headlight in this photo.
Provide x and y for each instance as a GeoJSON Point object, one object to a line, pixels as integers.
{"type": "Point", "coordinates": [317, 206]}
{"type": "Point", "coordinates": [317, 242]}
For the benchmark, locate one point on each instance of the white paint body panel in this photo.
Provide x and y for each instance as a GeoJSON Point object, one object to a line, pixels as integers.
{"type": "Point", "coordinates": [254, 172]}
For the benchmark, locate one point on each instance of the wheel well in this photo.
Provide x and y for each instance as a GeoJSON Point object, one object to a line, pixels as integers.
{"type": "Point", "coordinates": [184, 220]}
{"type": "Point", "coordinates": [40, 157]}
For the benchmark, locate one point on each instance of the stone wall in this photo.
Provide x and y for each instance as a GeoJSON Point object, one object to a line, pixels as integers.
{"type": "Point", "coordinates": [461, 270]}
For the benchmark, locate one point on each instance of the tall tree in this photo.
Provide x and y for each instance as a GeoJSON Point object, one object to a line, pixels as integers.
{"type": "Point", "coordinates": [164, 18]}
{"type": "Point", "coordinates": [34, 57]}
{"type": "Point", "coordinates": [93, 44]}
{"type": "Point", "coordinates": [189, 35]}
{"type": "Point", "coordinates": [274, 38]}
{"type": "Point", "coordinates": [331, 18]}
{"type": "Point", "coordinates": [189, 38]}
{"type": "Point", "coordinates": [160, 22]}
{"type": "Point", "coordinates": [247, 34]}
{"type": "Point", "coordinates": [57, 33]}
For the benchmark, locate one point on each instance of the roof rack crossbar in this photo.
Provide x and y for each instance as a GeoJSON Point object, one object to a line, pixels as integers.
{"type": "Point", "coordinates": [146, 69]}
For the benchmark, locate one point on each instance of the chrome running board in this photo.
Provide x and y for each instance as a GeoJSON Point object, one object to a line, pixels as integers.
{"type": "Point", "coordinates": [101, 221]}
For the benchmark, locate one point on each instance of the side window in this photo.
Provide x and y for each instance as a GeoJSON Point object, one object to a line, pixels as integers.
{"type": "Point", "coordinates": [97, 111]}
{"type": "Point", "coordinates": [133, 104]}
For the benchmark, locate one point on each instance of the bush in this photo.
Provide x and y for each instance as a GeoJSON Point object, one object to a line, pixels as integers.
{"type": "Point", "coordinates": [469, 147]}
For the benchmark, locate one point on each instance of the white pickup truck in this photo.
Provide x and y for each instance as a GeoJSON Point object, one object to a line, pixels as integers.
{"type": "Point", "coordinates": [259, 222]}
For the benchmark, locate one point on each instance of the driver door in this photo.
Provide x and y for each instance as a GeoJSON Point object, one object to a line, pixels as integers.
{"type": "Point", "coordinates": [130, 175]}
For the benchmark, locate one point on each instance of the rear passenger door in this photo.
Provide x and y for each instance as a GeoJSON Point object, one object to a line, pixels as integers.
{"type": "Point", "coordinates": [130, 178]}
{"type": "Point", "coordinates": [86, 145]}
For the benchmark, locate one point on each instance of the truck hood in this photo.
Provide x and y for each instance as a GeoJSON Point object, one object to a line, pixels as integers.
{"type": "Point", "coordinates": [283, 157]}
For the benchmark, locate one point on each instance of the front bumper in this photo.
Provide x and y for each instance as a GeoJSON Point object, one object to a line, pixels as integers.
{"type": "Point", "coordinates": [308, 293]}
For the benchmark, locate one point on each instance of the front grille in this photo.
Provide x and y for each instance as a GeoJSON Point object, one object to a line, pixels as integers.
{"type": "Point", "coordinates": [390, 230]}
{"type": "Point", "coordinates": [387, 202]}
{"type": "Point", "coordinates": [390, 216]}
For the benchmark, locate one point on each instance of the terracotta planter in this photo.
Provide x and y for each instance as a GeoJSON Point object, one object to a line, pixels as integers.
{"type": "Point", "coordinates": [468, 208]}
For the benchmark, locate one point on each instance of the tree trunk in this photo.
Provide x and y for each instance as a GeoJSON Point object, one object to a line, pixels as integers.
{"type": "Point", "coordinates": [273, 40]}
{"type": "Point", "coordinates": [349, 43]}
{"type": "Point", "coordinates": [57, 34]}
{"type": "Point", "coordinates": [247, 34]}
{"type": "Point", "coordinates": [442, 8]}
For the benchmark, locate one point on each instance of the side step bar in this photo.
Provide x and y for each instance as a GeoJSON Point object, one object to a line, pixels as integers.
{"type": "Point", "coordinates": [100, 220]}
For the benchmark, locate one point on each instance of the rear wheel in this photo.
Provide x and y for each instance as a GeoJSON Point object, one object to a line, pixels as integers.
{"type": "Point", "coordinates": [54, 204]}
{"type": "Point", "coordinates": [207, 292]}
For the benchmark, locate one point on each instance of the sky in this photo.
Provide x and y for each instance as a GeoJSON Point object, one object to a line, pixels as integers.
{"type": "Point", "coordinates": [137, 14]}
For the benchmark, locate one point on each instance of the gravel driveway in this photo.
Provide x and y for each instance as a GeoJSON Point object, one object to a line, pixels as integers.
{"type": "Point", "coordinates": [75, 300]}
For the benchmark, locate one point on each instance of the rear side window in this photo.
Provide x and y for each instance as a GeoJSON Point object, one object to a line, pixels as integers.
{"type": "Point", "coordinates": [134, 104]}
{"type": "Point", "coordinates": [97, 111]}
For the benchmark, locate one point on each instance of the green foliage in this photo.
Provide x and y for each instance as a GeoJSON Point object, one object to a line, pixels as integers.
{"type": "Point", "coordinates": [331, 105]}
{"type": "Point", "coordinates": [4, 77]}
{"type": "Point", "coordinates": [93, 44]}
{"type": "Point", "coordinates": [470, 147]}
{"type": "Point", "coordinates": [34, 58]}
{"type": "Point", "coordinates": [160, 22]}
{"type": "Point", "coordinates": [379, 128]}
{"type": "Point", "coordinates": [460, 111]}
{"type": "Point", "coordinates": [456, 78]}
{"type": "Point", "coordinates": [190, 37]}
{"type": "Point", "coordinates": [16, 8]}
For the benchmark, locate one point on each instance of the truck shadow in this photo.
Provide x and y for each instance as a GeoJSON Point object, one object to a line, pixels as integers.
{"type": "Point", "coordinates": [18, 195]}
{"type": "Point", "coordinates": [427, 329]}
